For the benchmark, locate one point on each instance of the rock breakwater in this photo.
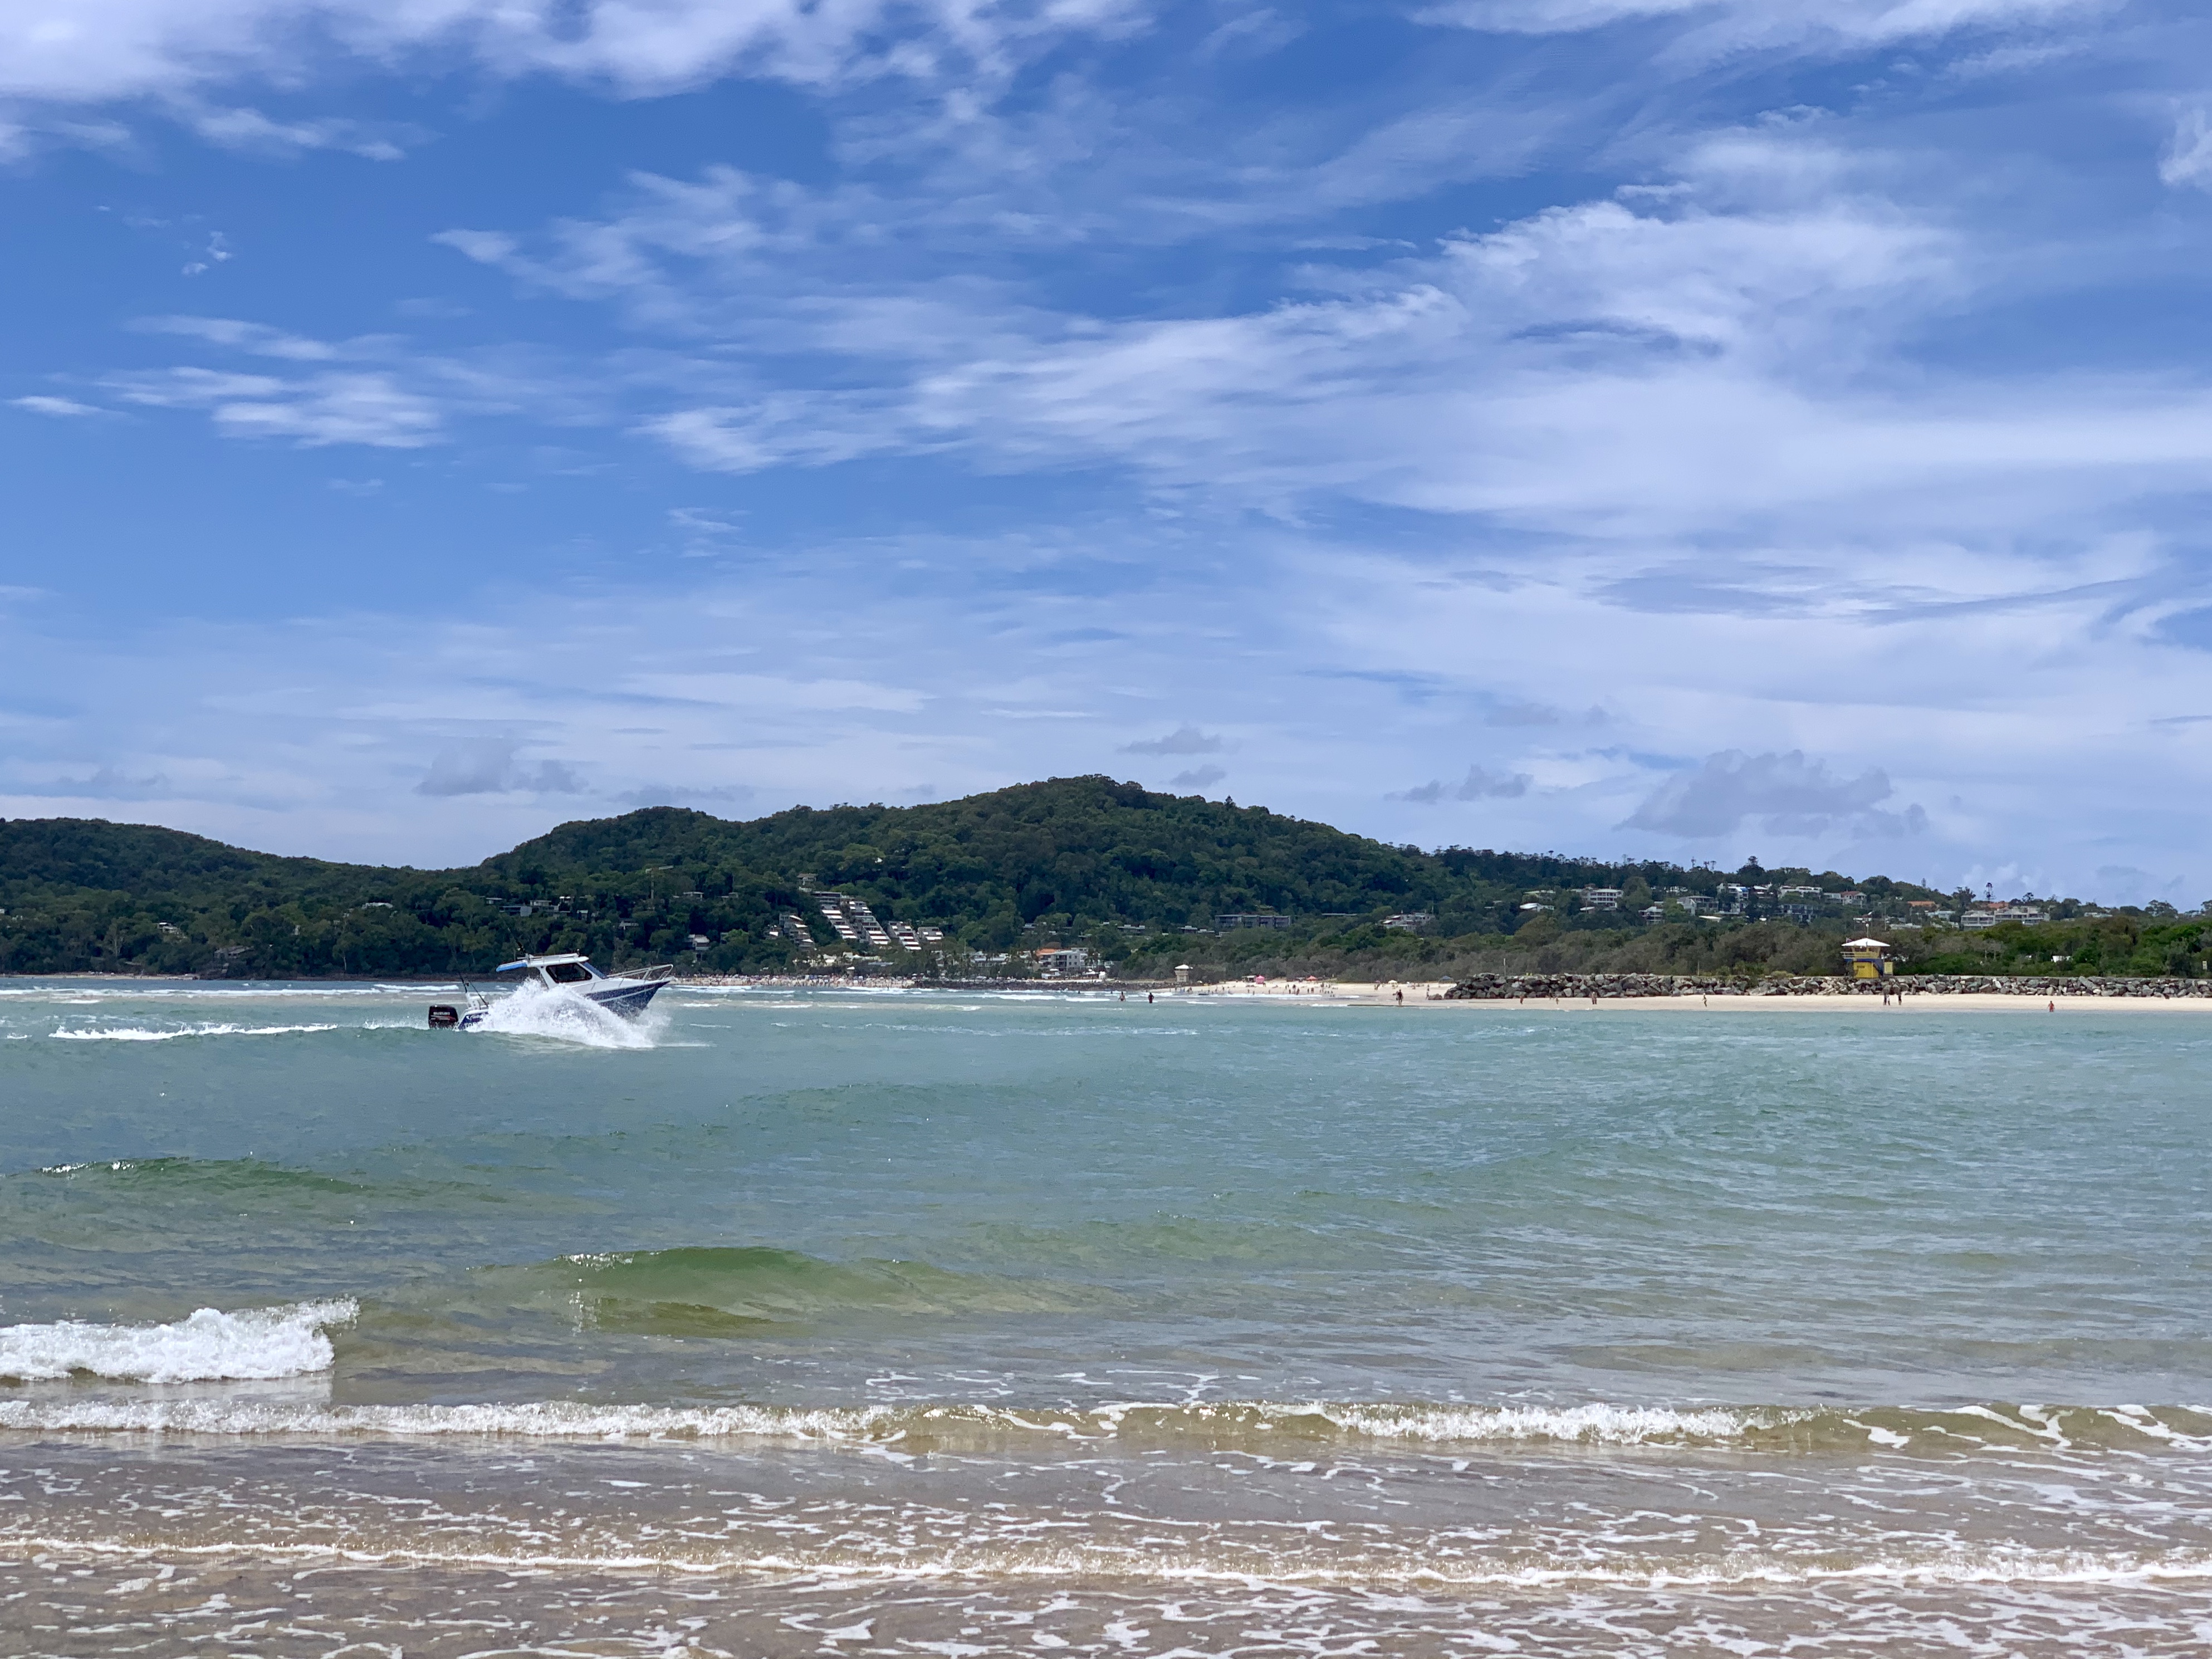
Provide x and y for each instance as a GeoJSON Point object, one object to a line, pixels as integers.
{"type": "Point", "coordinates": [1500, 988]}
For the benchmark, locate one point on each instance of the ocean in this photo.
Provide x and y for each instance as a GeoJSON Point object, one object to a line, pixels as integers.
{"type": "Point", "coordinates": [911, 1322]}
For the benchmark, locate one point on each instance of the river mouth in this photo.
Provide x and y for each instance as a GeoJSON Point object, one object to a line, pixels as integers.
{"type": "Point", "coordinates": [981, 1325]}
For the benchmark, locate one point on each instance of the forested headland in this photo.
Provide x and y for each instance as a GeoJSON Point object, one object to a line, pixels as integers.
{"type": "Point", "coordinates": [1136, 880]}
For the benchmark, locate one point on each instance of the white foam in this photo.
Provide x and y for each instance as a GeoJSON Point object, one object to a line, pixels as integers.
{"type": "Point", "coordinates": [1596, 1424]}
{"type": "Point", "coordinates": [551, 1011]}
{"type": "Point", "coordinates": [570, 1421]}
{"type": "Point", "coordinates": [141, 1034]}
{"type": "Point", "coordinates": [544, 1420]}
{"type": "Point", "coordinates": [253, 1344]}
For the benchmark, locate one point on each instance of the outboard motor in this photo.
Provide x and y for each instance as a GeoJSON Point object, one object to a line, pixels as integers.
{"type": "Point", "coordinates": [444, 1017]}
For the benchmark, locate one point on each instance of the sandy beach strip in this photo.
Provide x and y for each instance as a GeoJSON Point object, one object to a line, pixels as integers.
{"type": "Point", "coordinates": [1430, 994]}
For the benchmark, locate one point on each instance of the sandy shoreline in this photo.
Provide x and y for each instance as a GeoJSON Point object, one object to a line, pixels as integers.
{"type": "Point", "coordinates": [1430, 994]}
{"type": "Point", "coordinates": [1409, 994]}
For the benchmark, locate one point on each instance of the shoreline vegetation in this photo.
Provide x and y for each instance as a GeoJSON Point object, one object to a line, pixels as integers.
{"type": "Point", "coordinates": [1531, 990]}
{"type": "Point", "coordinates": [1057, 880]}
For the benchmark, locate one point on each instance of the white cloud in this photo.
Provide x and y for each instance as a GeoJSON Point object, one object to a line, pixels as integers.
{"type": "Point", "coordinates": [1690, 361]}
{"type": "Point", "coordinates": [487, 766]}
{"type": "Point", "coordinates": [256, 338]}
{"type": "Point", "coordinates": [248, 129]}
{"type": "Point", "coordinates": [724, 798]}
{"type": "Point", "coordinates": [106, 783]}
{"type": "Point", "coordinates": [1725, 454]}
{"type": "Point", "coordinates": [315, 736]}
{"type": "Point", "coordinates": [60, 408]}
{"type": "Point", "coordinates": [388, 396]}
{"type": "Point", "coordinates": [2187, 158]}
{"type": "Point", "coordinates": [1183, 740]}
{"type": "Point", "coordinates": [1728, 346]}
{"type": "Point", "coordinates": [364, 407]}
{"type": "Point", "coordinates": [1477, 785]}
{"type": "Point", "coordinates": [2123, 884]}
{"type": "Point", "coordinates": [789, 430]}
{"type": "Point", "coordinates": [741, 692]}
{"type": "Point", "coordinates": [1735, 25]}
{"type": "Point", "coordinates": [214, 252]}
{"type": "Point", "coordinates": [1786, 793]}
{"type": "Point", "coordinates": [105, 49]}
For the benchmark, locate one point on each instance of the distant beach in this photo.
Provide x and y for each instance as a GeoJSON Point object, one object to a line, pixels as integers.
{"type": "Point", "coordinates": [1430, 994]}
{"type": "Point", "coordinates": [2033, 997]}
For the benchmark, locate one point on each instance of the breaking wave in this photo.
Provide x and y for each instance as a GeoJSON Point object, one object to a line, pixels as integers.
{"type": "Point", "coordinates": [252, 1345]}
{"type": "Point", "coordinates": [1265, 1427]}
{"type": "Point", "coordinates": [142, 1034]}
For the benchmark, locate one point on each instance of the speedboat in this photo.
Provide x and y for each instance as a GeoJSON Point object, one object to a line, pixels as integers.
{"type": "Point", "coordinates": [626, 994]}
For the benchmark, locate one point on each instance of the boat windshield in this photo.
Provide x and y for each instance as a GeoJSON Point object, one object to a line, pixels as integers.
{"type": "Point", "coordinates": [567, 973]}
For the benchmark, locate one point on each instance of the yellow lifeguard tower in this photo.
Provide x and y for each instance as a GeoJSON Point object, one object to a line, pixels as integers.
{"type": "Point", "coordinates": [1868, 958]}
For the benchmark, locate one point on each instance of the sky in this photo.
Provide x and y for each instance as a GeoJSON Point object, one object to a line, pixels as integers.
{"type": "Point", "coordinates": [1775, 428]}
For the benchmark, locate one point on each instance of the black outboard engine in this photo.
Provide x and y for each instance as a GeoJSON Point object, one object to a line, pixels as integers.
{"type": "Point", "coordinates": [444, 1017]}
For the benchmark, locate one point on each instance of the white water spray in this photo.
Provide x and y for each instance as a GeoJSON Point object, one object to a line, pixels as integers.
{"type": "Point", "coordinates": [565, 1016]}
{"type": "Point", "coordinates": [251, 1344]}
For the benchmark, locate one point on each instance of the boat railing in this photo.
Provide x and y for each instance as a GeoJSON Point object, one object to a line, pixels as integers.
{"type": "Point", "coordinates": [664, 970]}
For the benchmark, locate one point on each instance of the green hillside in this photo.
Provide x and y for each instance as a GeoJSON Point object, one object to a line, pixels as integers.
{"type": "Point", "coordinates": [1135, 877]}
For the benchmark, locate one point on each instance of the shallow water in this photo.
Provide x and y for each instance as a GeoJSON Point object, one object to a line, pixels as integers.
{"type": "Point", "coordinates": [900, 1322]}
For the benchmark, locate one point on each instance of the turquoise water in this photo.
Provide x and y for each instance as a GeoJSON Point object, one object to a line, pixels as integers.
{"type": "Point", "coordinates": [1015, 1314]}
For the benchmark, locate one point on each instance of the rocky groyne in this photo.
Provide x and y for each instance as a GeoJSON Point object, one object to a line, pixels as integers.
{"type": "Point", "coordinates": [1503, 987]}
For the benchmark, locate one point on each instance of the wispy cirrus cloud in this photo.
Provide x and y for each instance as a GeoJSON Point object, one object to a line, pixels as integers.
{"type": "Point", "coordinates": [381, 391]}
{"type": "Point", "coordinates": [106, 49]}
{"type": "Point", "coordinates": [66, 408]}
{"type": "Point", "coordinates": [1749, 427]}
{"type": "Point", "coordinates": [1718, 26]}
{"type": "Point", "coordinates": [1729, 345]}
{"type": "Point", "coordinates": [244, 128]}
{"type": "Point", "coordinates": [257, 339]}
{"type": "Point", "coordinates": [366, 407]}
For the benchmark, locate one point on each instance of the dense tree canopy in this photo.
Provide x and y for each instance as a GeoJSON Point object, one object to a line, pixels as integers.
{"type": "Point", "coordinates": [1138, 876]}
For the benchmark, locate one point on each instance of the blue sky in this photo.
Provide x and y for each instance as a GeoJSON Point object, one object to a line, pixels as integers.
{"type": "Point", "coordinates": [1614, 426]}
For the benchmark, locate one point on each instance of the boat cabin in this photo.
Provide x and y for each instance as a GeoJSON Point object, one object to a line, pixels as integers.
{"type": "Point", "coordinates": [569, 970]}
